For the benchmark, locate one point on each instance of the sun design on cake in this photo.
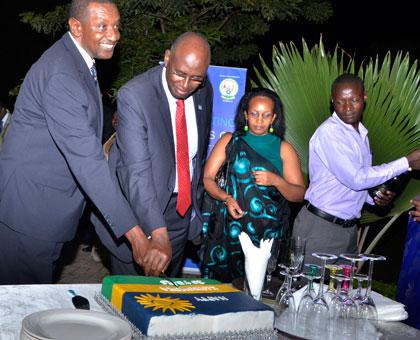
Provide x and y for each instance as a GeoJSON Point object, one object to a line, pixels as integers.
{"type": "Point", "coordinates": [164, 303]}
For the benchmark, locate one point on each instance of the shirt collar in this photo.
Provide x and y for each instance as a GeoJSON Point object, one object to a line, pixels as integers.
{"type": "Point", "coordinates": [168, 93]}
{"type": "Point", "coordinates": [86, 57]}
{"type": "Point", "coordinates": [362, 130]}
{"type": "Point", "coordinates": [5, 117]}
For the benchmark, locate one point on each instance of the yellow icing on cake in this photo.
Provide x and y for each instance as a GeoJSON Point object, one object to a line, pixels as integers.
{"type": "Point", "coordinates": [119, 289]}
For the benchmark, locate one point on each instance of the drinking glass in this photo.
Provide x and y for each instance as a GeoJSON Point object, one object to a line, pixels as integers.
{"type": "Point", "coordinates": [297, 252]}
{"type": "Point", "coordinates": [285, 283]}
{"type": "Point", "coordinates": [336, 301]}
{"type": "Point", "coordinates": [348, 306]}
{"type": "Point", "coordinates": [271, 266]}
{"type": "Point", "coordinates": [321, 313]}
{"type": "Point", "coordinates": [330, 293]}
{"type": "Point", "coordinates": [314, 269]}
{"type": "Point", "coordinates": [367, 307]}
{"type": "Point", "coordinates": [306, 303]}
{"type": "Point", "coordinates": [286, 304]}
{"type": "Point", "coordinates": [353, 258]}
{"type": "Point", "coordinates": [343, 309]}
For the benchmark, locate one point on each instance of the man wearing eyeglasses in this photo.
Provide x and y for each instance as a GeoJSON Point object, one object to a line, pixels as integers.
{"type": "Point", "coordinates": [162, 139]}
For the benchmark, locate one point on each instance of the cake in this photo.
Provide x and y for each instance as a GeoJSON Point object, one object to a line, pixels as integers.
{"type": "Point", "coordinates": [158, 306]}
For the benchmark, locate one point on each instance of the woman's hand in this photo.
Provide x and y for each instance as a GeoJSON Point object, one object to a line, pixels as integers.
{"type": "Point", "coordinates": [233, 207]}
{"type": "Point", "coordinates": [266, 178]}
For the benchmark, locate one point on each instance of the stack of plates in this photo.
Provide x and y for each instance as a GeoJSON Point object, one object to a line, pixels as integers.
{"type": "Point", "coordinates": [70, 324]}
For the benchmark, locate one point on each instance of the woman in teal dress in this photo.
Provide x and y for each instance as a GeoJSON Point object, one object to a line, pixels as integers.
{"type": "Point", "coordinates": [263, 175]}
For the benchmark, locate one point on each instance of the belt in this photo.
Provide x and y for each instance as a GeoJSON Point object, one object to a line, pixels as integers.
{"type": "Point", "coordinates": [331, 218]}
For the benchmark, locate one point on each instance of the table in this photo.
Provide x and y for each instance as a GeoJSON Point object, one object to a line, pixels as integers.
{"type": "Point", "coordinates": [295, 327]}
{"type": "Point", "coordinates": [17, 301]}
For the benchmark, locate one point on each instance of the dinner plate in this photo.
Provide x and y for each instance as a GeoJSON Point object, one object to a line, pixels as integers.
{"type": "Point", "coordinates": [70, 324]}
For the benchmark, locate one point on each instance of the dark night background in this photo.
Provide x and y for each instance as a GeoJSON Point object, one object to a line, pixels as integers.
{"type": "Point", "coordinates": [362, 28]}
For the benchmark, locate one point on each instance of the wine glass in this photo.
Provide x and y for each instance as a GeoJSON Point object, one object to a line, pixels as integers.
{"type": "Point", "coordinates": [353, 258]}
{"type": "Point", "coordinates": [321, 312]}
{"type": "Point", "coordinates": [285, 283]}
{"type": "Point", "coordinates": [367, 307]}
{"type": "Point", "coordinates": [297, 252]}
{"type": "Point", "coordinates": [314, 270]}
{"type": "Point", "coordinates": [343, 309]}
{"type": "Point", "coordinates": [271, 266]}
{"type": "Point", "coordinates": [286, 305]}
{"type": "Point", "coordinates": [330, 293]}
{"type": "Point", "coordinates": [306, 303]}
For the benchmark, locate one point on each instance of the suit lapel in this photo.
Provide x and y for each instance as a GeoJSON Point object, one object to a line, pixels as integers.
{"type": "Point", "coordinates": [88, 80]}
{"type": "Point", "coordinates": [165, 112]}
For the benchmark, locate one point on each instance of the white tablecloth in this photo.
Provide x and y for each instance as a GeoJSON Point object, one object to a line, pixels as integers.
{"type": "Point", "coordinates": [18, 301]}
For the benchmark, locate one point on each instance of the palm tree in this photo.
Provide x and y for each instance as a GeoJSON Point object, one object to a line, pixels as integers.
{"type": "Point", "coordinates": [303, 81]}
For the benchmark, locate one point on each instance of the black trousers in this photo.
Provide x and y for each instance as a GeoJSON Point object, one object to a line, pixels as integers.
{"type": "Point", "coordinates": [26, 260]}
{"type": "Point", "coordinates": [178, 235]}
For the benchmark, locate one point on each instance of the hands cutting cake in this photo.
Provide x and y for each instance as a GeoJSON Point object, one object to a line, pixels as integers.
{"type": "Point", "coordinates": [152, 254]}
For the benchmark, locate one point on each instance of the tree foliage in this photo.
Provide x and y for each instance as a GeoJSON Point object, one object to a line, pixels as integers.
{"type": "Point", "coordinates": [148, 27]}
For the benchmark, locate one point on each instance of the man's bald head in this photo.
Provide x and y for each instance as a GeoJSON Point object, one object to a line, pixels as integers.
{"type": "Point", "coordinates": [186, 64]}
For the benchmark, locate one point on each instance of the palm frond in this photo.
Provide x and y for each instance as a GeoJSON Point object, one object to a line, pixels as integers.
{"type": "Point", "coordinates": [303, 77]}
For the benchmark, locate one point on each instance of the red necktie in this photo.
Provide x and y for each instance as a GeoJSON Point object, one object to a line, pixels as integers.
{"type": "Point", "coordinates": [182, 160]}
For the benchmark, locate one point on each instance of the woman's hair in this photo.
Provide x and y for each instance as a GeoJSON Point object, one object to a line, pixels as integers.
{"type": "Point", "coordinates": [278, 124]}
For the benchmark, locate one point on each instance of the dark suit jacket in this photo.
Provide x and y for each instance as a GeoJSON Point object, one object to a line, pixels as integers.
{"type": "Point", "coordinates": [52, 155]}
{"type": "Point", "coordinates": [145, 152]}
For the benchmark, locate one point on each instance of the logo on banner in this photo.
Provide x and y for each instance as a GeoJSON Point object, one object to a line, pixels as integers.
{"type": "Point", "coordinates": [228, 89]}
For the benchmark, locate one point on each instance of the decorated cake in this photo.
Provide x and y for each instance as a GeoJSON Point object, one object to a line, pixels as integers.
{"type": "Point", "coordinates": [158, 306]}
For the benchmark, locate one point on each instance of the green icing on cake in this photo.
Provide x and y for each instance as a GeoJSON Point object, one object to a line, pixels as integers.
{"type": "Point", "coordinates": [109, 281]}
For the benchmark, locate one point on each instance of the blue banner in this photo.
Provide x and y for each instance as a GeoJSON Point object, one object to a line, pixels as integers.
{"type": "Point", "coordinates": [228, 87]}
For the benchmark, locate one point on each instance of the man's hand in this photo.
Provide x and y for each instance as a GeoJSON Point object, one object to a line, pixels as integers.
{"type": "Point", "coordinates": [159, 254]}
{"type": "Point", "coordinates": [384, 199]}
{"type": "Point", "coordinates": [414, 159]}
{"type": "Point", "coordinates": [415, 214]}
{"type": "Point", "coordinates": [139, 244]}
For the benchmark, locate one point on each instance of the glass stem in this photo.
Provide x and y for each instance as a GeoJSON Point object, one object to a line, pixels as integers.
{"type": "Point", "coordinates": [339, 284]}
{"type": "Point", "coordinates": [321, 281]}
{"type": "Point", "coordinates": [351, 277]}
{"type": "Point", "coordinates": [369, 284]}
{"type": "Point", "coordinates": [289, 283]}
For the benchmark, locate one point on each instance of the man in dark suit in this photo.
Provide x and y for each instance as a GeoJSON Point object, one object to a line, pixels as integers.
{"type": "Point", "coordinates": [52, 160]}
{"type": "Point", "coordinates": [165, 196]}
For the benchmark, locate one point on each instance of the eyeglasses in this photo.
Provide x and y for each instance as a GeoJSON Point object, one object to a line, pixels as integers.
{"type": "Point", "coordinates": [183, 76]}
{"type": "Point", "coordinates": [264, 115]}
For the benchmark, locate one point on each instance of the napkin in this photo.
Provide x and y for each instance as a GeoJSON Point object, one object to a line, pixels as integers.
{"type": "Point", "coordinates": [388, 310]}
{"type": "Point", "coordinates": [255, 262]}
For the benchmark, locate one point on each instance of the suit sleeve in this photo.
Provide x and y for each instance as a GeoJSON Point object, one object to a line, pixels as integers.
{"type": "Point", "coordinates": [67, 104]}
{"type": "Point", "coordinates": [135, 171]}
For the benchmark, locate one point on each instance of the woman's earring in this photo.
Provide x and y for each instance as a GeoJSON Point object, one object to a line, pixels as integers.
{"type": "Point", "coordinates": [246, 128]}
{"type": "Point", "coordinates": [271, 130]}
